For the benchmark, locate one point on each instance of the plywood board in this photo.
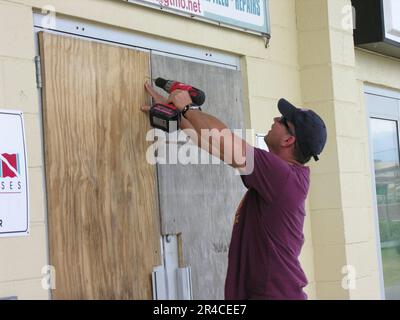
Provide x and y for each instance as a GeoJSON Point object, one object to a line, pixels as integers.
{"type": "Point", "coordinates": [103, 220]}
{"type": "Point", "coordinates": [199, 201]}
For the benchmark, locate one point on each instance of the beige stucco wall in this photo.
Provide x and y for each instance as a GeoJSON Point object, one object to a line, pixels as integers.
{"type": "Point", "coordinates": [378, 70]}
{"type": "Point", "coordinates": [269, 74]}
{"type": "Point", "coordinates": [310, 62]}
{"type": "Point", "coordinates": [341, 195]}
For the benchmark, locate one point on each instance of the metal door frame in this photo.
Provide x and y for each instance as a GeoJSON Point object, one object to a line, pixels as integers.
{"type": "Point", "coordinates": [122, 37]}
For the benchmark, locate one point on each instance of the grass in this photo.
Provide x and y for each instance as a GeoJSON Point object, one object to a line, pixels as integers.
{"type": "Point", "coordinates": [391, 267]}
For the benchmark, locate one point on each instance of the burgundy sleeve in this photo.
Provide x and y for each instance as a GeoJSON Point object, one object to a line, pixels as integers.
{"type": "Point", "coordinates": [267, 174]}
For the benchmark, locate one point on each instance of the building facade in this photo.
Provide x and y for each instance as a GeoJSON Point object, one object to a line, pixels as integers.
{"type": "Point", "coordinates": [351, 230]}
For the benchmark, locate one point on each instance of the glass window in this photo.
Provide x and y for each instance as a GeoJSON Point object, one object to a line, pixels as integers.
{"type": "Point", "coordinates": [387, 177]}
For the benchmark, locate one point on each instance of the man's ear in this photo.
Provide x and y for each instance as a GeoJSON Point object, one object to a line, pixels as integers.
{"type": "Point", "coordinates": [288, 141]}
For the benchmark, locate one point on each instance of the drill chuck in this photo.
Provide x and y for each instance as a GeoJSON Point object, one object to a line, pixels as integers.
{"type": "Point", "coordinates": [163, 84]}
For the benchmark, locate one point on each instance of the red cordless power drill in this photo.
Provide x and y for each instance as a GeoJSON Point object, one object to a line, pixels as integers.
{"type": "Point", "coordinates": [163, 116]}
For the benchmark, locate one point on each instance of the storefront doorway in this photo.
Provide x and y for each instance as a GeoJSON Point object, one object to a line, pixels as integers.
{"type": "Point", "coordinates": [107, 207]}
{"type": "Point", "coordinates": [384, 117]}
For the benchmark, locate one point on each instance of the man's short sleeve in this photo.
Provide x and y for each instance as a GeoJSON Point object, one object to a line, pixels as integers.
{"type": "Point", "coordinates": [267, 173]}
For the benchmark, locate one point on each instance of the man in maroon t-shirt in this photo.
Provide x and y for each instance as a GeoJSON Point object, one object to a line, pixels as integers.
{"type": "Point", "coordinates": [267, 235]}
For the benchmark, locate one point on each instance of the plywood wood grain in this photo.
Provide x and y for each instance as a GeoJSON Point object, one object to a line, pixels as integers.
{"type": "Point", "coordinates": [103, 221]}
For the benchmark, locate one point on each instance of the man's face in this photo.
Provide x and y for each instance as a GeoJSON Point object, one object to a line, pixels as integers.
{"type": "Point", "coordinates": [279, 133]}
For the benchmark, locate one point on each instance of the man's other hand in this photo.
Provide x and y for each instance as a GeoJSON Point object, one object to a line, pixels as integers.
{"type": "Point", "coordinates": [157, 98]}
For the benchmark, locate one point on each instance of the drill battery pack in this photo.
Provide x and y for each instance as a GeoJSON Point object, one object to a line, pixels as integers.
{"type": "Point", "coordinates": [165, 117]}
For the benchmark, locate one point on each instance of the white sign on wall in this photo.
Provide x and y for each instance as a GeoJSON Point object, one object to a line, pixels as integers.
{"type": "Point", "coordinates": [249, 15]}
{"type": "Point", "coordinates": [14, 208]}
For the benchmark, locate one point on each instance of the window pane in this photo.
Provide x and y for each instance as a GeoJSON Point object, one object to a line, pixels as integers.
{"type": "Point", "coordinates": [387, 175]}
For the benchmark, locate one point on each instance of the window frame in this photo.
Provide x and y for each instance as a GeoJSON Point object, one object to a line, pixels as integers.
{"type": "Point", "coordinates": [395, 95]}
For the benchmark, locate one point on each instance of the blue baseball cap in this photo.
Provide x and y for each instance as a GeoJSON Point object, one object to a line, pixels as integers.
{"type": "Point", "coordinates": [310, 129]}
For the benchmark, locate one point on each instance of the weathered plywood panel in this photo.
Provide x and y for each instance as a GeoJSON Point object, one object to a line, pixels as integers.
{"type": "Point", "coordinates": [103, 220]}
{"type": "Point", "coordinates": [200, 201]}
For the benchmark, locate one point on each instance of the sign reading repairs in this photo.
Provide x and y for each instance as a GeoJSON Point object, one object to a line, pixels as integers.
{"type": "Point", "coordinates": [251, 15]}
{"type": "Point", "coordinates": [14, 215]}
